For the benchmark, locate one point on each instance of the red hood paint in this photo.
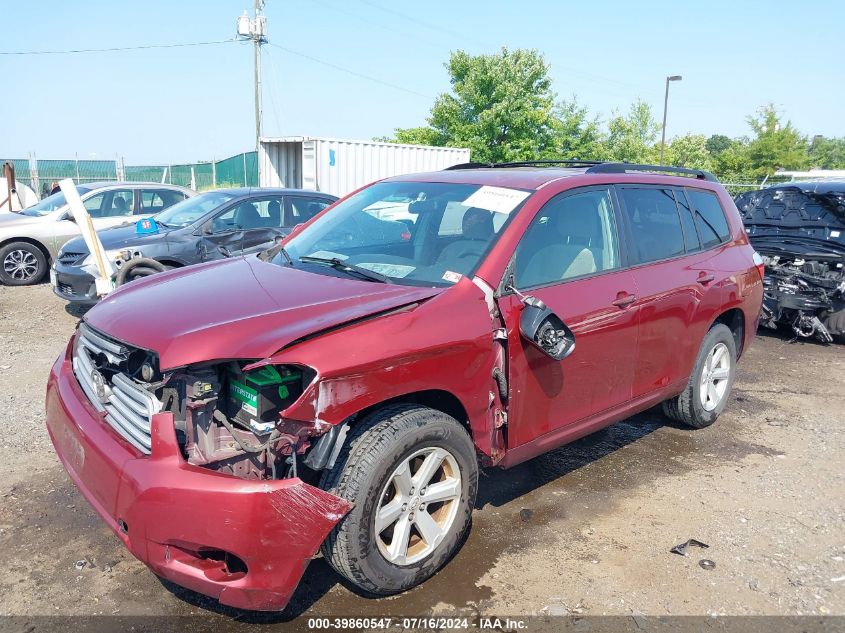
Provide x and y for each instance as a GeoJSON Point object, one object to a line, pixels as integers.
{"type": "Point", "coordinates": [238, 308]}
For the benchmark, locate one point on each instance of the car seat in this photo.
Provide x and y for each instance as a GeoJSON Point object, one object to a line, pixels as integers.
{"type": "Point", "coordinates": [274, 211]}
{"type": "Point", "coordinates": [572, 249]}
{"type": "Point", "coordinates": [247, 216]}
{"type": "Point", "coordinates": [477, 231]}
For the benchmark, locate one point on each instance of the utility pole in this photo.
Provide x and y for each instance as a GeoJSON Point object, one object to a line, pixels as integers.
{"type": "Point", "coordinates": [255, 30]}
{"type": "Point", "coordinates": [665, 108]}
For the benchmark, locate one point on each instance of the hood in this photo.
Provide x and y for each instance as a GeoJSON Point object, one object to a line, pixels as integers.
{"type": "Point", "coordinates": [238, 308]}
{"type": "Point", "coordinates": [125, 236]}
{"type": "Point", "coordinates": [14, 221]}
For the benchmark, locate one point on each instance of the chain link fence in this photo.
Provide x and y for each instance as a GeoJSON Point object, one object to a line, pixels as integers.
{"type": "Point", "coordinates": [240, 170]}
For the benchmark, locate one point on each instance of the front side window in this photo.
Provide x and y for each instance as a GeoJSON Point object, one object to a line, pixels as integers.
{"type": "Point", "coordinates": [110, 204]}
{"type": "Point", "coordinates": [710, 218]}
{"type": "Point", "coordinates": [394, 229]}
{"type": "Point", "coordinates": [573, 235]}
{"type": "Point", "coordinates": [250, 214]}
{"type": "Point", "coordinates": [655, 224]}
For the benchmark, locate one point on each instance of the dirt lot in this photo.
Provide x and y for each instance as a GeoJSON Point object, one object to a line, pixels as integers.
{"type": "Point", "coordinates": [586, 529]}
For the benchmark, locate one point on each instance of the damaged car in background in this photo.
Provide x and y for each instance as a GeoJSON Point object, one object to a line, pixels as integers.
{"type": "Point", "coordinates": [339, 390]}
{"type": "Point", "coordinates": [799, 229]}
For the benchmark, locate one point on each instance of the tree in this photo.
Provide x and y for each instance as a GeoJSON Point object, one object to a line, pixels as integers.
{"type": "Point", "coordinates": [501, 106]}
{"type": "Point", "coordinates": [576, 135]}
{"type": "Point", "coordinates": [717, 144]}
{"type": "Point", "coordinates": [632, 138]}
{"type": "Point", "coordinates": [776, 145]}
{"type": "Point", "coordinates": [732, 163]}
{"type": "Point", "coordinates": [690, 151]}
{"type": "Point", "coordinates": [827, 153]}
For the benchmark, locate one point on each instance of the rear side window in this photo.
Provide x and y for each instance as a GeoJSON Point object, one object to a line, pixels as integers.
{"type": "Point", "coordinates": [303, 209]}
{"type": "Point", "coordinates": [655, 223]}
{"type": "Point", "coordinates": [690, 234]}
{"type": "Point", "coordinates": [155, 200]}
{"type": "Point", "coordinates": [709, 217]}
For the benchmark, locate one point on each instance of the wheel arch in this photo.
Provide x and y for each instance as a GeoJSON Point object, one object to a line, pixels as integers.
{"type": "Point", "coordinates": [172, 263]}
{"type": "Point", "coordinates": [29, 240]}
{"type": "Point", "coordinates": [437, 399]}
{"type": "Point", "coordinates": [734, 319]}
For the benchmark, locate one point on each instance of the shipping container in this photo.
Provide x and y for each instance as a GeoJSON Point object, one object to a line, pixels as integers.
{"type": "Point", "coordinates": [338, 166]}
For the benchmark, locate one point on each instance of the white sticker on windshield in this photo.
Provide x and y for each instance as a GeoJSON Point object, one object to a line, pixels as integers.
{"type": "Point", "coordinates": [834, 234]}
{"type": "Point", "coordinates": [328, 255]}
{"type": "Point", "coordinates": [452, 277]}
{"type": "Point", "coordinates": [496, 199]}
{"type": "Point", "coordinates": [391, 270]}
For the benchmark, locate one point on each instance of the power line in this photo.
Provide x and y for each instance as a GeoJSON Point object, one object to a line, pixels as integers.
{"type": "Point", "coordinates": [428, 25]}
{"type": "Point", "coordinates": [116, 48]}
{"type": "Point", "coordinates": [350, 71]}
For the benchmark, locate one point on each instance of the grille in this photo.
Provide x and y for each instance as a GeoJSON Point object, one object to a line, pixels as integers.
{"type": "Point", "coordinates": [70, 257]}
{"type": "Point", "coordinates": [127, 406]}
{"type": "Point", "coordinates": [65, 289]}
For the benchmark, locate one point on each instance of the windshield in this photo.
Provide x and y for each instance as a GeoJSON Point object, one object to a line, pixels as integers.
{"type": "Point", "coordinates": [51, 203]}
{"type": "Point", "coordinates": [190, 210]}
{"type": "Point", "coordinates": [417, 233]}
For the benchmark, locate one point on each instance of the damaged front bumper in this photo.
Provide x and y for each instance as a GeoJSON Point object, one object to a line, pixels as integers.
{"type": "Point", "coordinates": [243, 542]}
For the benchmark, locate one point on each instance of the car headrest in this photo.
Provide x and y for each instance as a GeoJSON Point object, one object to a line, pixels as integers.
{"type": "Point", "coordinates": [477, 224]}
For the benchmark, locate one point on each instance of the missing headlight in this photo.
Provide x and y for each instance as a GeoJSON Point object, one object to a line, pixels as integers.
{"type": "Point", "coordinates": [255, 398]}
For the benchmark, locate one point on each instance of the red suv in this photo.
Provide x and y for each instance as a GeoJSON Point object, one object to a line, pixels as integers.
{"type": "Point", "coordinates": [340, 390]}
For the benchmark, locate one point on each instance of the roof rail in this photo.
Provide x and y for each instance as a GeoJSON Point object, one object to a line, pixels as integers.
{"type": "Point", "coordinates": [526, 163]}
{"type": "Point", "coordinates": [622, 168]}
{"type": "Point", "coordinates": [593, 167]}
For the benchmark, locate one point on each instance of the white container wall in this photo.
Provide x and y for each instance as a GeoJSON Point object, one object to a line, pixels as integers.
{"type": "Point", "coordinates": [338, 167]}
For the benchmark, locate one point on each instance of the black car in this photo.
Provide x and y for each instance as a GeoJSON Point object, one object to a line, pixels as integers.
{"type": "Point", "coordinates": [212, 225]}
{"type": "Point", "coordinates": [799, 229]}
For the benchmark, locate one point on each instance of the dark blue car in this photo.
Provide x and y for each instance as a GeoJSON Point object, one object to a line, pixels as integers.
{"type": "Point", "coordinates": [212, 225]}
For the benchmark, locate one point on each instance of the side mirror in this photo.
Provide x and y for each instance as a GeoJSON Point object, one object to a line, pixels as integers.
{"type": "Point", "coordinates": [544, 329]}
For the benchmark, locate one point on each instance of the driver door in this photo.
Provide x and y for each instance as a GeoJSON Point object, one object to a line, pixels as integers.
{"type": "Point", "coordinates": [250, 226]}
{"type": "Point", "coordinates": [570, 259]}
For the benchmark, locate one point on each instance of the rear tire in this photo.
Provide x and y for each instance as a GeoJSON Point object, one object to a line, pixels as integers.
{"type": "Point", "coordinates": [383, 470]}
{"type": "Point", "coordinates": [710, 382]}
{"type": "Point", "coordinates": [22, 264]}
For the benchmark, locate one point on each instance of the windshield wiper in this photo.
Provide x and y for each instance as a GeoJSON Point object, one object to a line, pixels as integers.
{"type": "Point", "coordinates": [339, 264]}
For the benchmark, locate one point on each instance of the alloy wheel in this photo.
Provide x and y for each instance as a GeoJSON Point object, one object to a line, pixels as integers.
{"type": "Point", "coordinates": [714, 377]}
{"type": "Point", "coordinates": [20, 264]}
{"type": "Point", "coordinates": [417, 506]}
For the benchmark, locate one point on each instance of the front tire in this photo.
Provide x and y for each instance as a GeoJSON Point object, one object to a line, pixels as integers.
{"type": "Point", "coordinates": [412, 474]}
{"type": "Point", "coordinates": [710, 383]}
{"type": "Point", "coordinates": [22, 264]}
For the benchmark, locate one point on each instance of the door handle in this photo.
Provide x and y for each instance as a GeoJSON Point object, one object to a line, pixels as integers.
{"type": "Point", "coordinates": [624, 299]}
{"type": "Point", "coordinates": [705, 278]}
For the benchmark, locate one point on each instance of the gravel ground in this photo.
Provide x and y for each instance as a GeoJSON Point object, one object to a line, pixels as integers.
{"type": "Point", "coordinates": [586, 529]}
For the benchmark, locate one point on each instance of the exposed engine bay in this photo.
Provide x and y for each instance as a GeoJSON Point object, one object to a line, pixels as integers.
{"type": "Point", "coordinates": [227, 415]}
{"type": "Point", "coordinates": [228, 420]}
{"type": "Point", "coordinates": [807, 295]}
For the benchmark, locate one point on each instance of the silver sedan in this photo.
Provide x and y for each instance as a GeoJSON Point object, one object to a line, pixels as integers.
{"type": "Point", "coordinates": [31, 239]}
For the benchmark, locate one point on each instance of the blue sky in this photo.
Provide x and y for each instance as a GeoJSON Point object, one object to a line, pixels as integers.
{"type": "Point", "coordinates": [185, 104]}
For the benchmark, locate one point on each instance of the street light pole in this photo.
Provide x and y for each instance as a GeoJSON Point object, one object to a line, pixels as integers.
{"type": "Point", "coordinates": [665, 108]}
